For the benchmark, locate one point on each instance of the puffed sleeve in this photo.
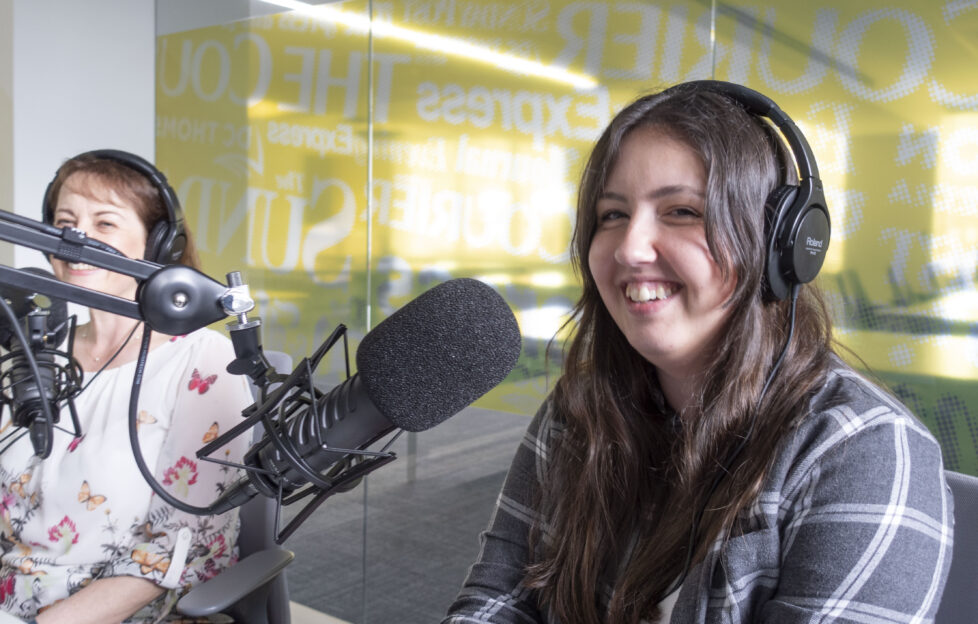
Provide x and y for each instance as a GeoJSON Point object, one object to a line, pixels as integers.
{"type": "Point", "coordinates": [866, 533]}
{"type": "Point", "coordinates": [173, 548]}
{"type": "Point", "coordinates": [493, 591]}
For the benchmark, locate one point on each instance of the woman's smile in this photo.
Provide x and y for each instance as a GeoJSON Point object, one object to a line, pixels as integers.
{"type": "Point", "coordinates": [642, 292]}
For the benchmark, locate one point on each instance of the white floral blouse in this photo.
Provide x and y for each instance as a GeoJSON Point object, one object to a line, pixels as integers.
{"type": "Point", "coordinates": [86, 513]}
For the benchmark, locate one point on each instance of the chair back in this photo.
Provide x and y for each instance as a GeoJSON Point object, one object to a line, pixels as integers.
{"type": "Point", "coordinates": [959, 605]}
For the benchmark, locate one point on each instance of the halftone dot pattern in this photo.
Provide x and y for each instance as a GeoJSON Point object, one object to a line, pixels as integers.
{"type": "Point", "coordinates": [958, 200]}
{"type": "Point", "coordinates": [901, 356]}
{"type": "Point", "coordinates": [900, 193]}
{"type": "Point", "coordinates": [917, 62]}
{"type": "Point", "coordinates": [954, 199]}
{"type": "Point", "coordinates": [933, 294]}
{"type": "Point", "coordinates": [830, 142]}
{"type": "Point", "coordinates": [817, 65]}
{"type": "Point", "coordinates": [926, 328]}
{"type": "Point", "coordinates": [846, 211]}
{"type": "Point", "coordinates": [901, 253]}
{"type": "Point", "coordinates": [917, 146]}
{"type": "Point", "coordinates": [705, 65]}
{"type": "Point", "coordinates": [644, 57]}
{"type": "Point", "coordinates": [835, 303]}
{"type": "Point", "coordinates": [938, 92]}
{"type": "Point", "coordinates": [866, 316]}
{"type": "Point", "coordinates": [940, 422]}
{"type": "Point", "coordinates": [951, 268]}
{"type": "Point", "coordinates": [948, 409]}
{"type": "Point", "coordinates": [849, 301]}
{"type": "Point", "coordinates": [959, 150]}
{"type": "Point", "coordinates": [941, 94]}
{"type": "Point", "coordinates": [909, 397]}
{"type": "Point", "coordinates": [741, 50]}
{"type": "Point", "coordinates": [673, 44]}
{"type": "Point", "coordinates": [972, 425]}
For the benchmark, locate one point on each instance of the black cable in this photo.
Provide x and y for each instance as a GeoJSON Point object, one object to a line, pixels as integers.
{"type": "Point", "coordinates": [14, 441]}
{"type": "Point", "coordinates": [137, 382]}
{"type": "Point", "coordinates": [795, 289]}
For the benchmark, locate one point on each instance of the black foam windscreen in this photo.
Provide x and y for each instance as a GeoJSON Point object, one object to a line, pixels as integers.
{"type": "Point", "coordinates": [439, 353]}
{"type": "Point", "coordinates": [23, 301]}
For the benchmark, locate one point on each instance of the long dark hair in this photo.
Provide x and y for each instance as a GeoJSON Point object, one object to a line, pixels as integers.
{"type": "Point", "coordinates": [629, 475]}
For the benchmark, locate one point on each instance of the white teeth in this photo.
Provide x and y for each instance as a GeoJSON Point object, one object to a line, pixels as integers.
{"type": "Point", "coordinates": [643, 293]}
{"type": "Point", "coordinates": [78, 266]}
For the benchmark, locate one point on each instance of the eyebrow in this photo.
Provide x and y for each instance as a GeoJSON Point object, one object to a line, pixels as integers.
{"type": "Point", "coordinates": [102, 211]}
{"type": "Point", "coordinates": [662, 191]}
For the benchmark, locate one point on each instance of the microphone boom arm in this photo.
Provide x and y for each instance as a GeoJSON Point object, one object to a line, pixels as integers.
{"type": "Point", "coordinates": [182, 299]}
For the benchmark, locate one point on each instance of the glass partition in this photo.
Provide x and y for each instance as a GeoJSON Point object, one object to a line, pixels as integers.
{"type": "Point", "coordinates": [347, 156]}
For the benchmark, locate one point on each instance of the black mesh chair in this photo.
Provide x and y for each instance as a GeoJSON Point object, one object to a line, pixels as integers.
{"type": "Point", "coordinates": [959, 604]}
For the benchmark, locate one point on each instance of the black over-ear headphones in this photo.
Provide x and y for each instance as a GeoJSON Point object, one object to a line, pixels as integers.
{"type": "Point", "coordinates": [796, 219]}
{"type": "Point", "coordinates": [167, 238]}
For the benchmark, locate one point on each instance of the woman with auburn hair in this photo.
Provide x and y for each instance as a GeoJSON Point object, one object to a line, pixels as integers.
{"type": "Point", "coordinates": [84, 539]}
{"type": "Point", "coordinates": [706, 456]}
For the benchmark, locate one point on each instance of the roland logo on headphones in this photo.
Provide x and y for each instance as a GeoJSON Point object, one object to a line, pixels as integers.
{"type": "Point", "coordinates": [814, 245]}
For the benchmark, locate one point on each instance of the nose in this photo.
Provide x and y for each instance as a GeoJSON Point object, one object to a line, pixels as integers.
{"type": "Point", "coordinates": [83, 223]}
{"type": "Point", "coordinates": [639, 242]}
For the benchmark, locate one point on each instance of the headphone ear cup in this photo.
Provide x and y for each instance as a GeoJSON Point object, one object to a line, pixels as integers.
{"type": "Point", "coordinates": [175, 248]}
{"type": "Point", "coordinates": [47, 210]}
{"type": "Point", "coordinates": [798, 237]}
{"type": "Point", "coordinates": [776, 208]}
{"type": "Point", "coordinates": [808, 243]}
{"type": "Point", "coordinates": [156, 243]}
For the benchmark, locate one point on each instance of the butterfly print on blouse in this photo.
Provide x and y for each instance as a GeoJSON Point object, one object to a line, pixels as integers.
{"type": "Point", "coordinates": [91, 500]}
{"type": "Point", "coordinates": [148, 561]}
{"type": "Point", "coordinates": [26, 567]}
{"type": "Point", "coordinates": [149, 534]}
{"type": "Point", "coordinates": [18, 485]}
{"type": "Point", "coordinates": [200, 384]}
{"type": "Point", "coordinates": [212, 433]}
{"type": "Point", "coordinates": [145, 418]}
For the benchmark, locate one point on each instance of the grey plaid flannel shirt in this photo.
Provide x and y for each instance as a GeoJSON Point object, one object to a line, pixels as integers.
{"type": "Point", "coordinates": [854, 524]}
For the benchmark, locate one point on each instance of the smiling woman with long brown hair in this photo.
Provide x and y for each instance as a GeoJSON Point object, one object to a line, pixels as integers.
{"type": "Point", "coordinates": [705, 455]}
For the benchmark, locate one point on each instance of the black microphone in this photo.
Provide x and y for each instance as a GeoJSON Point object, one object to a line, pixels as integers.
{"type": "Point", "coordinates": [34, 395]}
{"type": "Point", "coordinates": [417, 368]}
